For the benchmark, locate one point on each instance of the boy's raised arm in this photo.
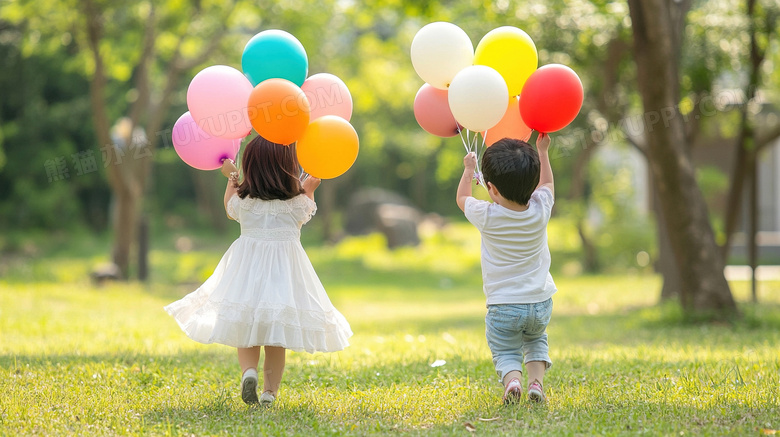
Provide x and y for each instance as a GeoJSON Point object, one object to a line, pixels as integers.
{"type": "Point", "coordinates": [546, 174]}
{"type": "Point", "coordinates": [464, 187]}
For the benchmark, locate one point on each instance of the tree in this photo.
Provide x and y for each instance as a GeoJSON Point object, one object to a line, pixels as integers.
{"type": "Point", "coordinates": [129, 176]}
{"type": "Point", "coordinates": [703, 284]}
{"type": "Point", "coordinates": [146, 45]}
{"type": "Point", "coordinates": [762, 24]}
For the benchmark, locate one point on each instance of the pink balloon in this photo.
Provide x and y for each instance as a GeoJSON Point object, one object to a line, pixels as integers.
{"type": "Point", "coordinates": [199, 149]}
{"type": "Point", "coordinates": [432, 111]}
{"type": "Point", "coordinates": [217, 98]}
{"type": "Point", "coordinates": [328, 95]}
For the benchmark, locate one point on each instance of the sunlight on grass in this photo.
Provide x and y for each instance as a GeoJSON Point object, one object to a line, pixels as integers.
{"type": "Point", "coordinates": [77, 359]}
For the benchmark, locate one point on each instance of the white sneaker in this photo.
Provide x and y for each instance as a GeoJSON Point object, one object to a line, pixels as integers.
{"type": "Point", "coordinates": [536, 392]}
{"type": "Point", "coordinates": [266, 399]}
{"type": "Point", "coordinates": [249, 386]}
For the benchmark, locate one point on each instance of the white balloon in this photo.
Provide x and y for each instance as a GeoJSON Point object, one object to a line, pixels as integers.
{"type": "Point", "coordinates": [439, 51]}
{"type": "Point", "coordinates": [478, 97]}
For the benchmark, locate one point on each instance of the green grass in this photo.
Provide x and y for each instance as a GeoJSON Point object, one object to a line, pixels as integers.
{"type": "Point", "coordinates": [83, 360]}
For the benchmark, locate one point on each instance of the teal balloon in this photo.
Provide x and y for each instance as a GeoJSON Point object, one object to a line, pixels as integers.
{"type": "Point", "coordinates": [274, 54]}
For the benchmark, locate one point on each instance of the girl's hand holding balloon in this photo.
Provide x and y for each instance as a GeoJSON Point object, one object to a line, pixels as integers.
{"type": "Point", "coordinates": [228, 167]}
{"type": "Point", "coordinates": [230, 171]}
{"type": "Point", "coordinates": [310, 184]}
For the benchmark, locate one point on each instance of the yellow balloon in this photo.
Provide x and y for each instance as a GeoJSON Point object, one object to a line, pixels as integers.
{"type": "Point", "coordinates": [328, 147]}
{"type": "Point", "coordinates": [511, 52]}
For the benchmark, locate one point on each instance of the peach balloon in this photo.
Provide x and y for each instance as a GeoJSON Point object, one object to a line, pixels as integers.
{"type": "Point", "coordinates": [278, 110]}
{"type": "Point", "coordinates": [510, 126]}
{"type": "Point", "coordinates": [328, 95]}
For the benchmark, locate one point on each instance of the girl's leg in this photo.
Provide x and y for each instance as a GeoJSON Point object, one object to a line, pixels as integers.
{"type": "Point", "coordinates": [248, 358]}
{"type": "Point", "coordinates": [273, 367]}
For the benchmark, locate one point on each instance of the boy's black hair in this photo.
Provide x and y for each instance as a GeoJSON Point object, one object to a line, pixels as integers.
{"type": "Point", "coordinates": [512, 166]}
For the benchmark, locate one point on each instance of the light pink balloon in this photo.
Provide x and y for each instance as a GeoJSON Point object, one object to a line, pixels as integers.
{"type": "Point", "coordinates": [199, 149]}
{"type": "Point", "coordinates": [432, 111]}
{"type": "Point", "coordinates": [328, 95]}
{"type": "Point", "coordinates": [217, 98]}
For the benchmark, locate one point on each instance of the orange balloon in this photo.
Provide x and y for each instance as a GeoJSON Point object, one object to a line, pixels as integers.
{"type": "Point", "coordinates": [510, 126]}
{"type": "Point", "coordinates": [278, 110]}
{"type": "Point", "coordinates": [328, 147]}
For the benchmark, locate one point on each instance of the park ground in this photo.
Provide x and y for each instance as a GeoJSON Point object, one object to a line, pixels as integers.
{"type": "Point", "coordinates": [84, 359]}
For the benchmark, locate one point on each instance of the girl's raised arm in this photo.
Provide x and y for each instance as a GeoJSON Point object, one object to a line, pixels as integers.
{"type": "Point", "coordinates": [309, 185]}
{"type": "Point", "coordinates": [231, 172]}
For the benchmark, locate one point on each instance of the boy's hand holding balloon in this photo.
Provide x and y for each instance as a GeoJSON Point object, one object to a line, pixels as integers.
{"type": "Point", "coordinates": [543, 142]}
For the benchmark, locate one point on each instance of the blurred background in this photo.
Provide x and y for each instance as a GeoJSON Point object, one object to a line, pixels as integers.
{"type": "Point", "coordinates": [90, 90]}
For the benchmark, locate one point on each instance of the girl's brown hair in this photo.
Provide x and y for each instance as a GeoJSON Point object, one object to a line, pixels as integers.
{"type": "Point", "coordinates": [270, 171]}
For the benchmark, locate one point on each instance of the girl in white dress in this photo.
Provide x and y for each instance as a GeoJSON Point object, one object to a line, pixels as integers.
{"type": "Point", "coordinates": [264, 291]}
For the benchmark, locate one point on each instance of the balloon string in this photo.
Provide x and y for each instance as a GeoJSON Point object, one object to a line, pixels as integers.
{"type": "Point", "coordinates": [479, 151]}
{"type": "Point", "coordinates": [471, 144]}
{"type": "Point", "coordinates": [462, 140]}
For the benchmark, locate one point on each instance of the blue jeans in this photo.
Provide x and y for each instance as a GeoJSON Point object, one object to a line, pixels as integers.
{"type": "Point", "coordinates": [517, 334]}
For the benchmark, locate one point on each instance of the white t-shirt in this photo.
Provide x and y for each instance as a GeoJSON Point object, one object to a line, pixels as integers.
{"type": "Point", "coordinates": [515, 256]}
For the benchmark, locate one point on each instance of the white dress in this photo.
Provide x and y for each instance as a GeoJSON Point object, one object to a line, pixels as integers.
{"type": "Point", "coordinates": [264, 291]}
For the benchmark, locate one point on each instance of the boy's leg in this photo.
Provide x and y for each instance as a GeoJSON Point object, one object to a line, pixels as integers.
{"type": "Point", "coordinates": [536, 371]}
{"type": "Point", "coordinates": [537, 364]}
{"type": "Point", "coordinates": [505, 343]}
{"type": "Point", "coordinates": [514, 374]}
{"type": "Point", "coordinates": [273, 367]}
{"type": "Point", "coordinates": [536, 350]}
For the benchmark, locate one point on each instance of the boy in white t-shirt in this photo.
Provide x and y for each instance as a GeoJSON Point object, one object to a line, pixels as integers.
{"type": "Point", "coordinates": [515, 257]}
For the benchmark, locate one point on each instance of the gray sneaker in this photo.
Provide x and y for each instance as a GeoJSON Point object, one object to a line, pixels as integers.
{"type": "Point", "coordinates": [249, 386]}
{"type": "Point", "coordinates": [267, 399]}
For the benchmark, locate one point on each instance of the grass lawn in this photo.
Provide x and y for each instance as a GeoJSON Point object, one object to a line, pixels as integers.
{"type": "Point", "coordinates": [78, 359]}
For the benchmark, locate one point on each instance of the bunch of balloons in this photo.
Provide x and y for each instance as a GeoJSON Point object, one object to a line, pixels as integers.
{"type": "Point", "coordinates": [496, 89]}
{"type": "Point", "coordinates": [274, 96]}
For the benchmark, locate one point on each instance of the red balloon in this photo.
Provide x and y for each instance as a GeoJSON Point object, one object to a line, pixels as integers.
{"type": "Point", "coordinates": [432, 111]}
{"type": "Point", "coordinates": [551, 98]}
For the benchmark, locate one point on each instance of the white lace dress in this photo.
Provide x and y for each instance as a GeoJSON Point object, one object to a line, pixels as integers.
{"type": "Point", "coordinates": [264, 291]}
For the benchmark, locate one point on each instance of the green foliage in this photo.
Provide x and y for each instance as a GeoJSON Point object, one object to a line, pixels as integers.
{"type": "Point", "coordinates": [623, 233]}
{"type": "Point", "coordinates": [42, 128]}
{"type": "Point", "coordinates": [45, 112]}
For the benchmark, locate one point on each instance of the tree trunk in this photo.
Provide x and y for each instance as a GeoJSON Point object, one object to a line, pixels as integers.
{"type": "Point", "coordinates": [143, 249]}
{"type": "Point", "coordinates": [752, 231]}
{"type": "Point", "coordinates": [125, 223]}
{"type": "Point", "coordinates": [124, 204]}
{"type": "Point", "coordinates": [129, 170]}
{"type": "Point", "coordinates": [748, 146]}
{"type": "Point", "coordinates": [666, 264]}
{"type": "Point", "coordinates": [577, 196]}
{"type": "Point", "coordinates": [736, 189]}
{"type": "Point", "coordinates": [704, 288]}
